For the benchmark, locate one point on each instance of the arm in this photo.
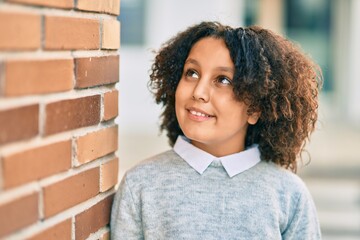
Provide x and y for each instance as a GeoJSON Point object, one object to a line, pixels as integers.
{"type": "Point", "coordinates": [125, 216]}
{"type": "Point", "coordinates": [304, 223]}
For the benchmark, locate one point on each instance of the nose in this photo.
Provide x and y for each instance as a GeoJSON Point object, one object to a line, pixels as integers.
{"type": "Point", "coordinates": [202, 91]}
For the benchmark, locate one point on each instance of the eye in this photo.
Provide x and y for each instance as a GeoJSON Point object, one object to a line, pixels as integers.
{"type": "Point", "coordinates": [192, 74]}
{"type": "Point", "coordinates": [223, 80]}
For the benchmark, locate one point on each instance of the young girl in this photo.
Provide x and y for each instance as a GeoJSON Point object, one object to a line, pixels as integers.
{"type": "Point", "coordinates": [239, 105]}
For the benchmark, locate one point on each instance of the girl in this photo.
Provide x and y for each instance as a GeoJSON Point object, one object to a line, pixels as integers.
{"type": "Point", "coordinates": [239, 105]}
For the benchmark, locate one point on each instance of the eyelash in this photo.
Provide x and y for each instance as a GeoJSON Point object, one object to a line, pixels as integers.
{"type": "Point", "coordinates": [219, 79]}
{"type": "Point", "coordinates": [190, 72]}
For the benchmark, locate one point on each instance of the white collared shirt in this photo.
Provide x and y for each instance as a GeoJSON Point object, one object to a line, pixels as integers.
{"type": "Point", "coordinates": [201, 160]}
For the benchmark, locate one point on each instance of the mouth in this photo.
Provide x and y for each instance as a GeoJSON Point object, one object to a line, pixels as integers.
{"type": "Point", "coordinates": [199, 113]}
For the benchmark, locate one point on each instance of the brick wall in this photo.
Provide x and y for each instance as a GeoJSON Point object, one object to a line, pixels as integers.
{"type": "Point", "coordinates": [59, 63]}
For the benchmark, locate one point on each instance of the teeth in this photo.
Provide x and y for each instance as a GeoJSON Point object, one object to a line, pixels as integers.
{"type": "Point", "coordinates": [198, 114]}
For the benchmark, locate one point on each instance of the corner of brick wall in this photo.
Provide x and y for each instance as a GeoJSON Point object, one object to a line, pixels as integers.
{"type": "Point", "coordinates": [59, 64]}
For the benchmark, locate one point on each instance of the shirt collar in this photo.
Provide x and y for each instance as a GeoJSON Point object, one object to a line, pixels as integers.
{"type": "Point", "coordinates": [201, 160]}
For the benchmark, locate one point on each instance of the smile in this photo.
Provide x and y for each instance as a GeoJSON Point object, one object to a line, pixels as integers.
{"type": "Point", "coordinates": [199, 114]}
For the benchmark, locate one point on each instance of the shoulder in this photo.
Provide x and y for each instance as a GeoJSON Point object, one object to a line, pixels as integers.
{"type": "Point", "coordinates": [278, 174]}
{"type": "Point", "coordinates": [287, 192]}
{"type": "Point", "coordinates": [298, 210]}
{"type": "Point", "coordinates": [163, 160]}
{"type": "Point", "coordinates": [155, 167]}
{"type": "Point", "coordinates": [281, 179]}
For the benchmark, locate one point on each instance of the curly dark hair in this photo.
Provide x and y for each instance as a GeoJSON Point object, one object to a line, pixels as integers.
{"type": "Point", "coordinates": [272, 76]}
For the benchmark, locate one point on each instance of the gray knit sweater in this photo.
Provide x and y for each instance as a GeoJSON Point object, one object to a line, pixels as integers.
{"type": "Point", "coordinates": [164, 198]}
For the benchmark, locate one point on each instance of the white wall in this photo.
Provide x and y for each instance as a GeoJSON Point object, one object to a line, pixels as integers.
{"type": "Point", "coordinates": [354, 64]}
{"type": "Point", "coordinates": [165, 18]}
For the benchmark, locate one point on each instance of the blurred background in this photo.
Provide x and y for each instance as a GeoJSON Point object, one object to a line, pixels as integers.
{"type": "Point", "coordinates": [328, 30]}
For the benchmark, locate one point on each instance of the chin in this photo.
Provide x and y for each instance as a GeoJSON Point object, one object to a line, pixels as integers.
{"type": "Point", "coordinates": [198, 137]}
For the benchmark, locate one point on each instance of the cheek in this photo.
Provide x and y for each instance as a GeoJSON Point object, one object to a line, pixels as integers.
{"type": "Point", "coordinates": [181, 92]}
{"type": "Point", "coordinates": [177, 105]}
{"type": "Point", "coordinates": [179, 95]}
{"type": "Point", "coordinates": [233, 111]}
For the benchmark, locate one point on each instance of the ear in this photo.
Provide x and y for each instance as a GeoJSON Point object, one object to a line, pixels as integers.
{"type": "Point", "coordinates": [253, 118]}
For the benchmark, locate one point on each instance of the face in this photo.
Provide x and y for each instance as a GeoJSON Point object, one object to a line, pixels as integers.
{"type": "Point", "coordinates": [206, 108]}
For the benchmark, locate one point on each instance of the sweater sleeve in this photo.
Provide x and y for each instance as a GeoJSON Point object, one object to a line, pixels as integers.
{"type": "Point", "coordinates": [304, 223]}
{"type": "Point", "coordinates": [125, 215]}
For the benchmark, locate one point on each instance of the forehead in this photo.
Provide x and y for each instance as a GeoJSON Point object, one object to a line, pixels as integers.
{"type": "Point", "coordinates": [211, 51]}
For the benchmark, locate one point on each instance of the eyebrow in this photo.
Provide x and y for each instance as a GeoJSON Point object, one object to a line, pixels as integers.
{"type": "Point", "coordinates": [224, 69]}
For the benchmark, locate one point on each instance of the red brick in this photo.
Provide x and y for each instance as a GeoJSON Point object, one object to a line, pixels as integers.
{"type": "Point", "coordinates": [71, 191]}
{"type": "Point", "coordinates": [59, 231]}
{"type": "Point", "coordinates": [71, 114]}
{"type": "Point", "coordinates": [71, 33]}
{"type": "Point", "coordinates": [95, 71]}
{"type": "Point", "coordinates": [67, 4]}
{"type": "Point", "coordinates": [111, 105]}
{"type": "Point", "coordinates": [19, 31]}
{"type": "Point", "coordinates": [2, 78]}
{"type": "Point", "coordinates": [36, 163]}
{"type": "Point", "coordinates": [93, 219]}
{"type": "Point", "coordinates": [38, 76]}
{"type": "Point", "coordinates": [110, 34]}
{"type": "Point", "coordinates": [109, 174]}
{"type": "Point", "coordinates": [19, 123]}
{"type": "Point", "coordinates": [97, 144]}
{"type": "Point", "coordinates": [107, 6]}
{"type": "Point", "coordinates": [18, 213]}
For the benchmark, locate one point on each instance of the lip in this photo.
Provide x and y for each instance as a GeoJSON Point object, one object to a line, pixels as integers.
{"type": "Point", "coordinates": [196, 117]}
